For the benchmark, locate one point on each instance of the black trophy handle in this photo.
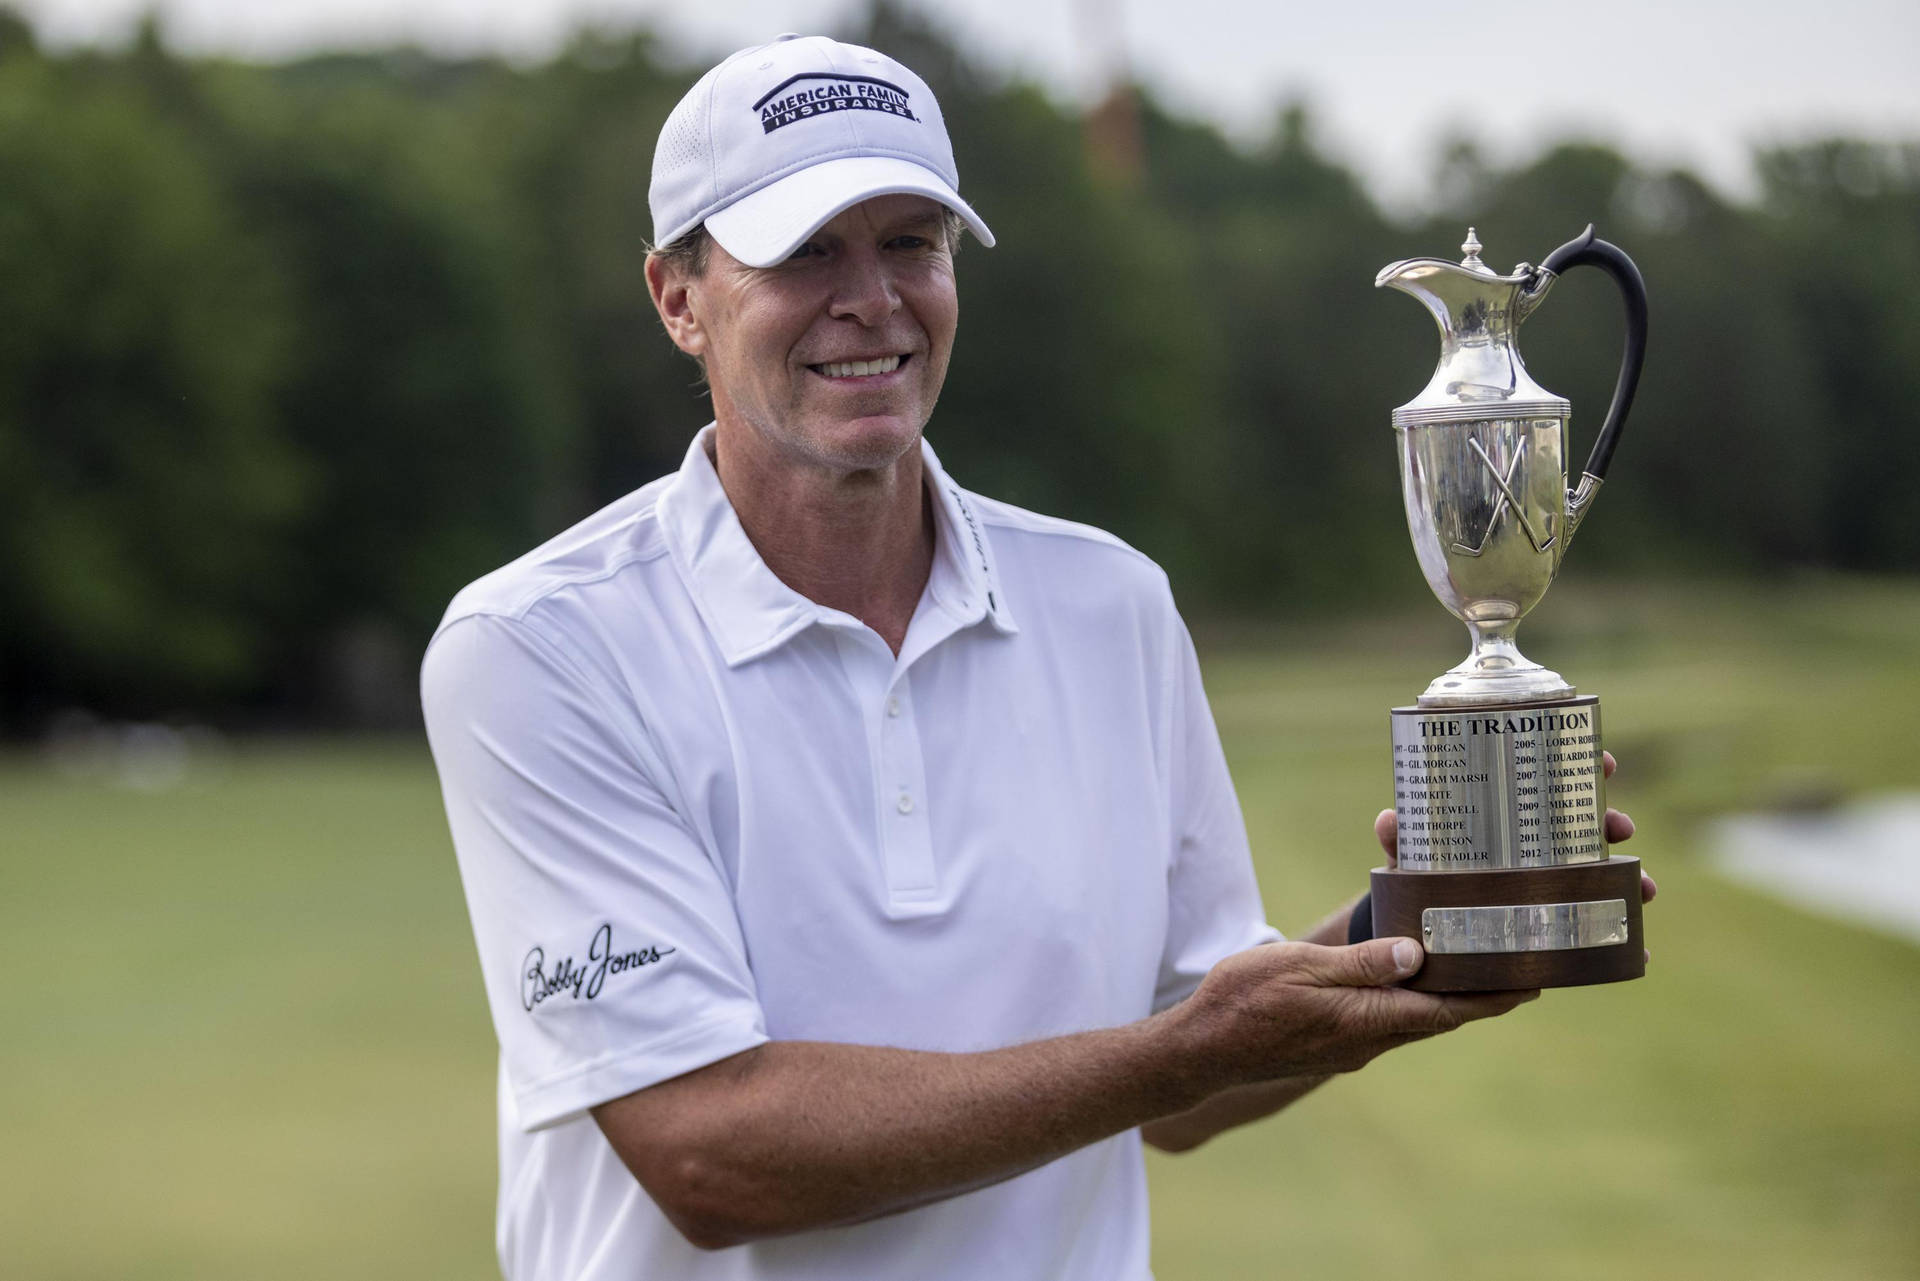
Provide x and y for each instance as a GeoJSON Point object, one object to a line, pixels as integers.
{"type": "Point", "coordinates": [1585, 251]}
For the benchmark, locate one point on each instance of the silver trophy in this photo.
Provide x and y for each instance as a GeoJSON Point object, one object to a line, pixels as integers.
{"type": "Point", "coordinates": [1503, 869]}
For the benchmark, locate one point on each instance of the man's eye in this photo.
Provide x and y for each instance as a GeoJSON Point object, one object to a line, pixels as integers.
{"type": "Point", "coordinates": [807, 250]}
{"type": "Point", "coordinates": [911, 242]}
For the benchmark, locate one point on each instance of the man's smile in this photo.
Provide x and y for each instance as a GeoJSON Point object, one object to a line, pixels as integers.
{"type": "Point", "coordinates": [878, 365]}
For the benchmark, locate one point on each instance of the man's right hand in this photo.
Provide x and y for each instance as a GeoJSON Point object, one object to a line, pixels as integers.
{"type": "Point", "coordinates": [1301, 1009]}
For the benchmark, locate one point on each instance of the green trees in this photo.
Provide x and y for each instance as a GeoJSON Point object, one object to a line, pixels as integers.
{"type": "Point", "coordinates": [292, 352]}
{"type": "Point", "coordinates": [147, 486]}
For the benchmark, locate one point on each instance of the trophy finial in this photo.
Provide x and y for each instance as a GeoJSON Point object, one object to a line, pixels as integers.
{"type": "Point", "coordinates": [1471, 248]}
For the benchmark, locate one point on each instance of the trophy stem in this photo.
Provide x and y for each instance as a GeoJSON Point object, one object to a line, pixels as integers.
{"type": "Point", "coordinates": [1495, 671]}
{"type": "Point", "coordinates": [1493, 648]}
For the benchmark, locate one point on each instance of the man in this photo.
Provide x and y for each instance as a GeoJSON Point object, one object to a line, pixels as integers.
{"type": "Point", "coordinates": [855, 871]}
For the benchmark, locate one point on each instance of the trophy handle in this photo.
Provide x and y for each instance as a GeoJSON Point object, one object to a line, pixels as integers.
{"type": "Point", "coordinates": [1585, 251]}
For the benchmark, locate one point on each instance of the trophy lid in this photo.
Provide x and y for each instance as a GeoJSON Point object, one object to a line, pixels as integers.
{"type": "Point", "coordinates": [1480, 374]}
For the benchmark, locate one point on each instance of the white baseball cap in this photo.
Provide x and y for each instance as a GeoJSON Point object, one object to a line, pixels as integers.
{"type": "Point", "coordinates": [779, 138]}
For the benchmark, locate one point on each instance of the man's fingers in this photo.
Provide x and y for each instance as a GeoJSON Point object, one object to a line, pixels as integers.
{"type": "Point", "coordinates": [1375, 963]}
{"type": "Point", "coordinates": [1608, 765]}
{"type": "Point", "coordinates": [1411, 1015]}
{"type": "Point", "coordinates": [1619, 827]}
{"type": "Point", "coordinates": [1386, 830]}
{"type": "Point", "coordinates": [1485, 1005]}
{"type": "Point", "coordinates": [1647, 888]}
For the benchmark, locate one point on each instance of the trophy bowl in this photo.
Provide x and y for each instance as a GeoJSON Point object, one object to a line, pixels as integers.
{"type": "Point", "coordinates": [1486, 505]}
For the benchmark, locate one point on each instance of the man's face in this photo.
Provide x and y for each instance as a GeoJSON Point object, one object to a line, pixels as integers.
{"type": "Point", "coordinates": [833, 358]}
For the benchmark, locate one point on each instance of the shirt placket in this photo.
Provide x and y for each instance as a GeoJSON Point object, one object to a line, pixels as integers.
{"type": "Point", "coordinates": [903, 815]}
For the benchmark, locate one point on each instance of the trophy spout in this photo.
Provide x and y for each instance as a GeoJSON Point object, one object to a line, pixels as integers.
{"type": "Point", "coordinates": [1477, 311]}
{"type": "Point", "coordinates": [1424, 280]}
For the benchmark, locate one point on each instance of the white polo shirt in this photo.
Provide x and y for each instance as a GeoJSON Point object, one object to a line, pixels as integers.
{"type": "Point", "coordinates": [694, 811]}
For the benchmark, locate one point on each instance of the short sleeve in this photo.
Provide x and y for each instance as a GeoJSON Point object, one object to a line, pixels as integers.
{"type": "Point", "coordinates": [608, 940]}
{"type": "Point", "coordinates": [1214, 907]}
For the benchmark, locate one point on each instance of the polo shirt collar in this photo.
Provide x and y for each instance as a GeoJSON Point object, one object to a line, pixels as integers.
{"type": "Point", "coordinates": [750, 612]}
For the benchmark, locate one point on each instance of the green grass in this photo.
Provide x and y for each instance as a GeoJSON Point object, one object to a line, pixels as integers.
{"type": "Point", "coordinates": [245, 1036]}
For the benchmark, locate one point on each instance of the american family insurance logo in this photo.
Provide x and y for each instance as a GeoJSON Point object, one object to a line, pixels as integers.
{"type": "Point", "coordinates": [821, 93]}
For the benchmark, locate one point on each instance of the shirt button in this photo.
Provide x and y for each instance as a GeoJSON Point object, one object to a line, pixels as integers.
{"type": "Point", "coordinates": [904, 804]}
{"type": "Point", "coordinates": [893, 707]}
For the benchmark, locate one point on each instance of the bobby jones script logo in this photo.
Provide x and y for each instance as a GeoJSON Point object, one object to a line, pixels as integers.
{"type": "Point", "coordinates": [821, 92]}
{"type": "Point", "coordinates": [537, 982]}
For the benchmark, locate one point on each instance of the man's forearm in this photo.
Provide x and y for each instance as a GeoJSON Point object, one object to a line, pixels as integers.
{"type": "Point", "coordinates": [796, 1135]}
{"type": "Point", "coordinates": [873, 1131]}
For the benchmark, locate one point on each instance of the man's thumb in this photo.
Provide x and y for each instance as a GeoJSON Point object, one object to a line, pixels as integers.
{"type": "Point", "coordinates": [1374, 963]}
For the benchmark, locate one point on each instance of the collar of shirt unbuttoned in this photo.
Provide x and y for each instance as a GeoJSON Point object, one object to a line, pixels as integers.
{"type": "Point", "coordinates": [751, 613]}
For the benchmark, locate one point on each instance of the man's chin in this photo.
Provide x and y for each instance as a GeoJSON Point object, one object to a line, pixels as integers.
{"type": "Point", "coordinates": [865, 444]}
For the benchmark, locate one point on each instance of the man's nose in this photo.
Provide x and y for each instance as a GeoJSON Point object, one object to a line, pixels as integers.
{"type": "Point", "coordinates": [865, 289]}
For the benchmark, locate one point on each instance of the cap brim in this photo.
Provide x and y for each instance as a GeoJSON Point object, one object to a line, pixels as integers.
{"type": "Point", "coordinates": [765, 226]}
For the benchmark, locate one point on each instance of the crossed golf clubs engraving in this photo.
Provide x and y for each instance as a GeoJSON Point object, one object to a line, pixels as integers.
{"type": "Point", "coordinates": [1507, 500]}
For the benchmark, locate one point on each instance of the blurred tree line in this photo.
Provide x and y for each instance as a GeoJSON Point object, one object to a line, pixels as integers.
{"type": "Point", "coordinates": [293, 351]}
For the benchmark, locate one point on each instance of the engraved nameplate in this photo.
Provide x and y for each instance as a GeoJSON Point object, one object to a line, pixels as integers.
{"type": "Point", "coordinates": [1499, 787]}
{"type": "Point", "coordinates": [1531, 927]}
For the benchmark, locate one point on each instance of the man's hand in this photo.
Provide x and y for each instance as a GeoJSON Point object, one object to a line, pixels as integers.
{"type": "Point", "coordinates": [1303, 1009]}
{"type": "Point", "coordinates": [1280, 1019]}
{"type": "Point", "coordinates": [1619, 827]}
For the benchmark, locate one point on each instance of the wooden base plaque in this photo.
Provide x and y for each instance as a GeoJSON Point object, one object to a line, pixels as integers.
{"type": "Point", "coordinates": [1498, 930]}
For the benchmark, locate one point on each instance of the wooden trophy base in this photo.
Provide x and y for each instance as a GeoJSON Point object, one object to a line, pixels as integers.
{"type": "Point", "coordinates": [1547, 948]}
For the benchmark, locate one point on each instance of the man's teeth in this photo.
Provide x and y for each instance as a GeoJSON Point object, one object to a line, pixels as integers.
{"type": "Point", "coordinates": [859, 368]}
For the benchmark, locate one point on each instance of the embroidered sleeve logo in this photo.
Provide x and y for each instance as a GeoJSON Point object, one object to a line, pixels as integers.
{"type": "Point", "coordinates": [538, 980]}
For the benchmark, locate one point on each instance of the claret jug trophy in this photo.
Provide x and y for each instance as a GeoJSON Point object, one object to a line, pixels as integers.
{"type": "Point", "coordinates": [1503, 871]}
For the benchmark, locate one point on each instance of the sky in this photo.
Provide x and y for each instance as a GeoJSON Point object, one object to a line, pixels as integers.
{"type": "Point", "coordinates": [1688, 82]}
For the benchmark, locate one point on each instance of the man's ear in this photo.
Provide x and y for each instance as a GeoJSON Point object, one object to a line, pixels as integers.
{"type": "Point", "coordinates": [672, 293]}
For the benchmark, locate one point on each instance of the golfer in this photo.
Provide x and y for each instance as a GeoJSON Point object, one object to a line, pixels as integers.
{"type": "Point", "coordinates": [855, 871]}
